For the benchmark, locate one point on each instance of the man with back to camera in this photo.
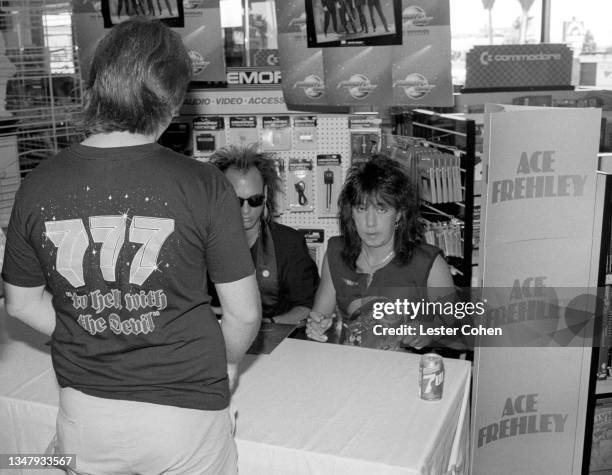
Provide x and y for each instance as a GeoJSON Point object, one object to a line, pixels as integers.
{"type": "Point", "coordinates": [107, 253]}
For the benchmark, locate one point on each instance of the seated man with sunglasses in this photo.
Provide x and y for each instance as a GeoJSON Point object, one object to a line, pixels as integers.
{"type": "Point", "coordinates": [286, 275]}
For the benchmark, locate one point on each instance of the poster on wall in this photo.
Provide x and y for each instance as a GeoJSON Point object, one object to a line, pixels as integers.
{"type": "Point", "coordinates": [301, 66]}
{"type": "Point", "coordinates": [357, 75]}
{"type": "Point", "coordinates": [538, 261]}
{"type": "Point", "coordinates": [346, 23]}
{"type": "Point", "coordinates": [413, 71]}
{"type": "Point", "coordinates": [421, 74]}
{"type": "Point", "coordinates": [201, 31]}
{"type": "Point", "coordinates": [117, 11]}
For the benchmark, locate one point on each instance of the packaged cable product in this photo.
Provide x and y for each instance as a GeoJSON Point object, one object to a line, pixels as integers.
{"type": "Point", "coordinates": [243, 130]}
{"type": "Point", "coordinates": [328, 183]}
{"type": "Point", "coordinates": [208, 136]}
{"type": "Point", "coordinates": [305, 132]}
{"type": "Point", "coordinates": [299, 185]}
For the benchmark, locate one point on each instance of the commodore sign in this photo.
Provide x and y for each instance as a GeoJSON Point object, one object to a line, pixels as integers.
{"type": "Point", "coordinates": [508, 66]}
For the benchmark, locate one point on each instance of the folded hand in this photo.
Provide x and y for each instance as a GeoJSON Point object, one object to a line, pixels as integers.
{"type": "Point", "coordinates": [317, 324]}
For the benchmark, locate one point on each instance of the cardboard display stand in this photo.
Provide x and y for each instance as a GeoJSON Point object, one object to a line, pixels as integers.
{"type": "Point", "coordinates": [538, 253]}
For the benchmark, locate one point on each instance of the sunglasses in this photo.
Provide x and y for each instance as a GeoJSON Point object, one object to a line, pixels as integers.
{"type": "Point", "coordinates": [253, 201]}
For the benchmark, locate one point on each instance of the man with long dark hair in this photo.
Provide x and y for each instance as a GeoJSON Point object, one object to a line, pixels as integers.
{"type": "Point", "coordinates": [379, 258]}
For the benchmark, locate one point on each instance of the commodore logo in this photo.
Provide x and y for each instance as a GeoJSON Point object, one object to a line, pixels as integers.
{"type": "Point", "coordinates": [358, 85]}
{"type": "Point", "coordinates": [312, 85]}
{"type": "Point", "coordinates": [487, 58]}
{"type": "Point", "coordinates": [415, 85]}
{"type": "Point", "coordinates": [197, 62]}
{"type": "Point", "coordinates": [415, 16]}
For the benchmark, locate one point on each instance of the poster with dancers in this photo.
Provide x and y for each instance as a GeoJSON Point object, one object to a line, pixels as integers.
{"type": "Point", "coordinates": [333, 23]}
{"type": "Point", "coordinates": [168, 11]}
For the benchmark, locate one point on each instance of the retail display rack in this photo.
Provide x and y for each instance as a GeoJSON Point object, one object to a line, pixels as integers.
{"type": "Point", "coordinates": [441, 151]}
{"type": "Point", "coordinates": [597, 454]}
{"type": "Point", "coordinates": [41, 89]}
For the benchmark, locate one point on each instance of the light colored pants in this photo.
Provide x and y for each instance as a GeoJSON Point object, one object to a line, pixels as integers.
{"type": "Point", "coordinates": [118, 437]}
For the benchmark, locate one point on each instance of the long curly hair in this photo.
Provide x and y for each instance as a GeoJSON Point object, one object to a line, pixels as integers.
{"type": "Point", "coordinates": [380, 180]}
{"type": "Point", "coordinates": [244, 158]}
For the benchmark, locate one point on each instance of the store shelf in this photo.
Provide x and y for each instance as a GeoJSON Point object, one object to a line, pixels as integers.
{"type": "Point", "coordinates": [603, 387]}
{"type": "Point", "coordinates": [441, 145]}
{"type": "Point", "coordinates": [41, 99]}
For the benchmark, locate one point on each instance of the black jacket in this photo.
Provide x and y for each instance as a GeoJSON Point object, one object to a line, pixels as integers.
{"type": "Point", "coordinates": [298, 276]}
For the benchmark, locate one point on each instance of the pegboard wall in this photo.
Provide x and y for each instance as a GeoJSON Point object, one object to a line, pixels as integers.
{"type": "Point", "coordinates": [332, 137]}
{"type": "Point", "coordinates": [211, 119]}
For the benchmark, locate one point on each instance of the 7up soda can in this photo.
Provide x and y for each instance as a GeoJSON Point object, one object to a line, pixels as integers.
{"type": "Point", "coordinates": [431, 377]}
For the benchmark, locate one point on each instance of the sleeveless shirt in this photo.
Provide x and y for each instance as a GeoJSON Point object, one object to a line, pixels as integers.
{"type": "Point", "coordinates": [359, 305]}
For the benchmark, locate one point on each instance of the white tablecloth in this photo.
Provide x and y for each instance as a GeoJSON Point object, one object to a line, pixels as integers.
{"type": "Point", "coordinates": [306, 408]}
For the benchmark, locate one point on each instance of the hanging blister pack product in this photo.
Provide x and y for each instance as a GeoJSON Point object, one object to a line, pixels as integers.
{"type": "Point", "coordinates": [279, 199]}
{"type": "Point", "coordinates": [365, 136]}
{"type": "Point", "coordinates": [328, 183]}
{"type": "Point", "coordinates": [305, 132]}
{"type": "Point", "coordinates": [299, 185]}
{"type": "Point", "coordinates": [364, 145]}
{"type": "Point", "coordinates": [276, 133]}
{"type": "Point", "coordinates": [208, 136]}
{"type": "Point", "coordinates": [243, 130]}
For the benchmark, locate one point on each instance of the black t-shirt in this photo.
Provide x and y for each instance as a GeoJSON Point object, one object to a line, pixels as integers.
{"type": "Point", "coordinates": [123, 238]}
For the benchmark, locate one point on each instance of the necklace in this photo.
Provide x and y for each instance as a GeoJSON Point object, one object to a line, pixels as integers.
{"type": "Point", "coordinates": [382, 263]}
